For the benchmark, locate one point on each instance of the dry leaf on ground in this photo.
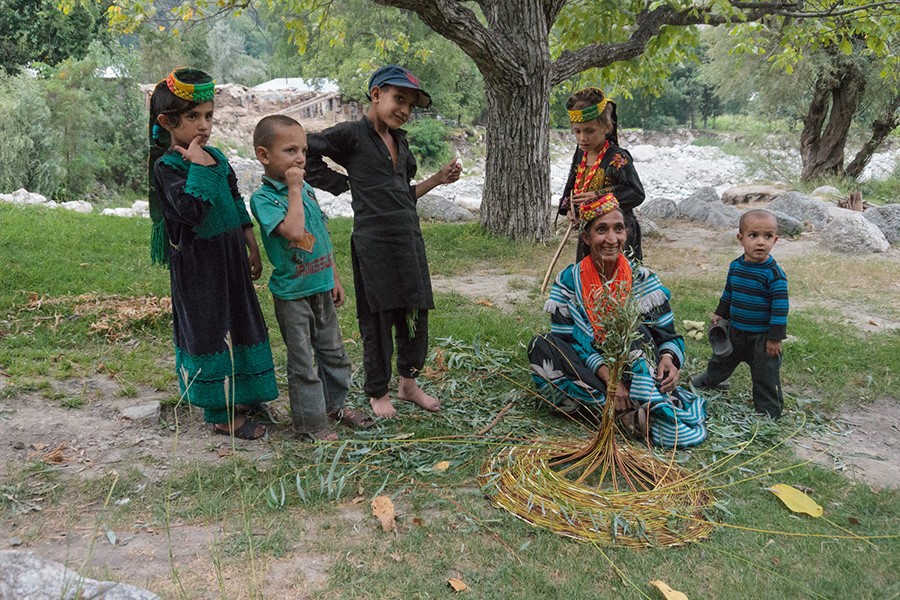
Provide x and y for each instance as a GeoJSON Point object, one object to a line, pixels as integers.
{"type": "Point", "coordinates": [796, 500]}
{"type": "Point", "coordinates": [458, 585]}
{"type": "Point", "coordinates": [383, 509]}
{"type": "Point", "coordinates": [668, 592]}
{"type": "Point", "coordinates": [484, 302]}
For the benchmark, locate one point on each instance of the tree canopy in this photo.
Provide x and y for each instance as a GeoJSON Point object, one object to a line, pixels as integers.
{"type": "Point", "coordinates": [523, 49]}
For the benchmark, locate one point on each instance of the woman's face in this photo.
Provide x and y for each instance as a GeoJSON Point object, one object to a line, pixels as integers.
{"type": "Point", "coordinates": [606, 236]}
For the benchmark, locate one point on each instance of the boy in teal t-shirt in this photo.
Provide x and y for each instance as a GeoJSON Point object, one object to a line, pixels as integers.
{"type": "Point", "coordinates": [305, 285]}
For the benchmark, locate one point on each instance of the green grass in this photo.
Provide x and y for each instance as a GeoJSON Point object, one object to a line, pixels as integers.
{"type": "Point", "coordinates": [446, 528]}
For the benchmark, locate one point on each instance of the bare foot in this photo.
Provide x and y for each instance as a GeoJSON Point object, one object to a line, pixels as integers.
{"type": "Point", "coordinates": [410, 391]}
{"type": "Point", "coordinates": [383, 407]}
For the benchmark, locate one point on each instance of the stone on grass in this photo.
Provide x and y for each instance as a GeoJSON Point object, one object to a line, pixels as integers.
{"type": "Point", "coordinates": [143, 413]}
{"type": "Point", "coordinates": [24, 575]}
{"type": "Point", "coordinates": [887, 218]}
{"type": "Point", "coordinates": [649, 229]}
{"type": "Point", "coordinates": [433, 206]}
{"type": "Point", "coordinates": [787, 225]}
{"type": "Point", "coordinates": [849, 231]}
{"type": "Point", "coordinates": [803, 208]}
{"type": "Point", "coordinates": [745, 194]}
{"type": "Point", "coordinates": [703, 206]}
{"type": "Point", "coordinates": [23, 196]}
{"type": "Point", "coordinates": [662, 209]}
{"type": "Point", "coordinates": [828, 193]}
{"type": "Point", "coordinates": [79, 206]}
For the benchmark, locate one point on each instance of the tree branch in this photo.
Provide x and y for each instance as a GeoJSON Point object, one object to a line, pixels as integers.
{"type": "Point", "coordinates": [458, 24]}
{"type": "Point", "coordinates": [648, 24]}
{"type": "Point", "coordinates": [780, 9]}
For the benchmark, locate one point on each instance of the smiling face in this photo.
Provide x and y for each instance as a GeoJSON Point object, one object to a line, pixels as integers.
{"type": "Point", "coordinates": [392, 105]}
{"type": "Point", "coordinates": [758, 234]}
{"type": "Point", "coordinates": [193, 123]}
{"type": "Point", "coordinates": [605, 236]}
{"type": "Point", "coordinates": [591, 136]}
{"type": "Point", "coordinates": [288, 149]}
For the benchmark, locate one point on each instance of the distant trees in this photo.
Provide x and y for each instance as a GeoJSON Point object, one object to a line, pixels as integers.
{"type": "Point", "coordinates": [36, 31]}
{"type": "Point", "coordinates": [68, 133]}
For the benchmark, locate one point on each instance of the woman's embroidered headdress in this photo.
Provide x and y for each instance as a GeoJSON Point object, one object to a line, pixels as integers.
{"type": "Point", "coordinates": [597, 208]}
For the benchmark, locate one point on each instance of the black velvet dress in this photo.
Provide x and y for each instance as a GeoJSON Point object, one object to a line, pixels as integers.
{"type": "Point", "coordinates": [219, 330]}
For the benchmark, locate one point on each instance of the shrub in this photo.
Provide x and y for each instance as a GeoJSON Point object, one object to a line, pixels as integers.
{"type": "Point", "coordinates": [29, 154]}
{"type": "Point", "coordinates": [428, 142]}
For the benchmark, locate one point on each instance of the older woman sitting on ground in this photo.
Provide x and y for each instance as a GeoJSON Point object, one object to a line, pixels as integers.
{"type": "Point", "coordinates": [567, 363]}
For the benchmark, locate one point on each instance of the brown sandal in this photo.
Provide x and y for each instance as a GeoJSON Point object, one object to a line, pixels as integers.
{"type": "Point", "coordinates": [357, 419]}
{"type": "Point", "coordinates": [634, 422]}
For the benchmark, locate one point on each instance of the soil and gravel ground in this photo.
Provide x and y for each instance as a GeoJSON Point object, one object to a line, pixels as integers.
{"type": "Point", "coordinates": [95, 441]}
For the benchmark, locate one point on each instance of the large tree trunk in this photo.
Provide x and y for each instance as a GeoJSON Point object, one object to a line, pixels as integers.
{"type": "Point", "coordinates": [822, 144]}
{"type": "Point", "coordinates": [516, 201]}
{"type": "Point", "coordinates": [881, 128]}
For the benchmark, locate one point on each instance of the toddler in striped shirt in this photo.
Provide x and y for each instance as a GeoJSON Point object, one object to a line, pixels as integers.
{"type": "Point", "coordinates": [755, 302]}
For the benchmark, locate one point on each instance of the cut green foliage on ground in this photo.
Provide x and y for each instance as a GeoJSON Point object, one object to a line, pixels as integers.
{"type": "Point", "coordinates": [84, 339]}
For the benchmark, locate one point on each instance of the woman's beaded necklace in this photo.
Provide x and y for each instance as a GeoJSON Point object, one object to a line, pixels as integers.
{"type": "Point", "coordinates": [582, 182]}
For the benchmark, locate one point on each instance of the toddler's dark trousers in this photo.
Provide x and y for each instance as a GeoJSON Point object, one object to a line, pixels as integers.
{"type": "Point", "coordinates": [765, 370]}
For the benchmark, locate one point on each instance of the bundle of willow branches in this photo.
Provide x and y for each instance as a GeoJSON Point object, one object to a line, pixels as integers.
{"type": "Point", "coordinates": [607, 491]}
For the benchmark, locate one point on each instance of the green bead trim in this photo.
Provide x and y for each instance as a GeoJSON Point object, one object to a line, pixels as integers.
{"type": "Point", "coordinates": [210, 184]}
{"type": "Point", "coordinates": [248, 360]}
{"type": "Point", "coordinates": [159, 242]}
{"type": "Point", "coordinates": [243, 389]}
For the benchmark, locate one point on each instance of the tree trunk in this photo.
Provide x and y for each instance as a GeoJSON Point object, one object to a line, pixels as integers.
{"type": "Point", "coordinates": [516, 201]}
{"type": "Point", "coordinates": [881, 128]}
{"type": "Point", "coordinates": [822, 144]}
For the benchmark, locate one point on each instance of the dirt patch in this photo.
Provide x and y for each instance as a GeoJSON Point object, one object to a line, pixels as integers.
{"type": "Point", "coordinates": [491, 289]}
{"type": "Point", "coordinates": [867, 449]}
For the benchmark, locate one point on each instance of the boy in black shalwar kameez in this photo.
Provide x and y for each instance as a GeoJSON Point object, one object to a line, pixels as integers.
{"type": "Point", "coordinates": [390, 272]}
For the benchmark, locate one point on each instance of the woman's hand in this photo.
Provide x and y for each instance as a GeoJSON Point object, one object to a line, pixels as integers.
{"type": "Point", "coordinates": [667, 373]}
{"type": "Point", "coordinates": [623, 397]}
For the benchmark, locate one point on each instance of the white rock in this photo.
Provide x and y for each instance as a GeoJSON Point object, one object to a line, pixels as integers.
{"type": "Point", "coordinates": [79, 206]}
{"type": "Point", "coordinates": [119, 212]}
{"type": "Point", "coordinates": [142, 413]}
{"type": "Point", "coordinates": [643, 153]}
{"type": "Point", "coordinates": [849, 231]}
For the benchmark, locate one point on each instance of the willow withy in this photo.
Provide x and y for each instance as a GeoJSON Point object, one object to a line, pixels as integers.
{"type": "Point", "coordinates": [607, 491]}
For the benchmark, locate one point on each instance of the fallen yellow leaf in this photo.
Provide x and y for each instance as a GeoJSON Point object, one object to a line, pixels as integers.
{"type": "Point", "coordinates": [668, 592]}
{"type": "Point", "coordinates": [458, 585]}
{"type": "Point", "coordinates": [484, 302]}
{"type": "Point", "coordinates": [442, 466]}
{"type": "Point", "coordinates": [383, 509]}
{"type": "Point", "coordinates": [796, 500]}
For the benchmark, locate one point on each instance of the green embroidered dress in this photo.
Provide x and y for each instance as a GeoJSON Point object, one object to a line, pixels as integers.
{"type": "Point", "coordinates": [212, 294]}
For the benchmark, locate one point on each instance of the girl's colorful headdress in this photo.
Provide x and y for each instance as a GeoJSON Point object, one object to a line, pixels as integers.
{"type": "Point", "coordinates": [597, 208]}
{"type": "Point", "coordinates": [202, 90]}
{"type": "Point", "coordinates": [589, 113]}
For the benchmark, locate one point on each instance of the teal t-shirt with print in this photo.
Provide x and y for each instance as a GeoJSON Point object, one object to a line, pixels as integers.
{"type": "Point", "coordinates": [297, 273]}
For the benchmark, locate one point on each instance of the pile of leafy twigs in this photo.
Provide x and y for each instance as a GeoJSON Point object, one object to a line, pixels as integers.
{"type": "Point", "coordinates": [609, 491]}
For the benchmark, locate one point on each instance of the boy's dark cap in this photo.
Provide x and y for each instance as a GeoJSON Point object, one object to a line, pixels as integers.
{"type": "Point", "coordinates": [400, 77]}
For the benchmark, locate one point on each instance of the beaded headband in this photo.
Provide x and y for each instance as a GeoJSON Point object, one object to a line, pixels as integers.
{"type": "Point", "coordinates": [192, 92]}
{"type": "Point", "coordinates": [589, 113]}
{"type": "Point", "coordinates": [597, 208]}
